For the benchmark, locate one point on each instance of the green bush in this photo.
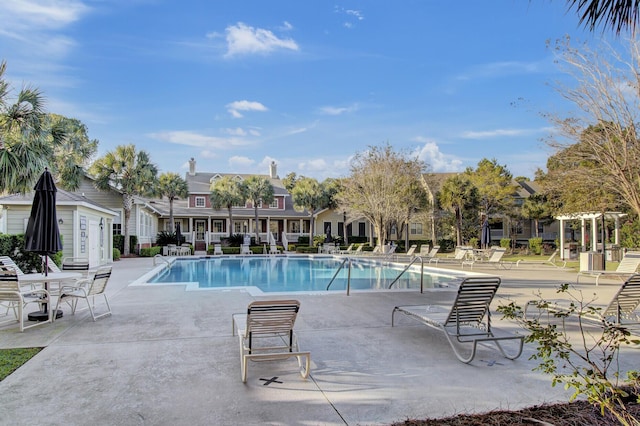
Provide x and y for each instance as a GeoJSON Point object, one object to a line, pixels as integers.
{"type": "Point", "coordinates": [473, 242]}
{"type": "Point", "coordinates": [118, 242]}
{"type": "Point", "coordinates": [505, 243]}
{"type": "Point", "coordinates": [303, 241]}
{"type": "Point", "coordinates": [446, 245]}
{"type": "Point", "coordinates": [116, 254]}
{"type": "Point", "coordinates": [150, 251]}
{"type": "Point", "coordinates": [165, 238]}
{"type": "Point", "coordinates": [535, 245]}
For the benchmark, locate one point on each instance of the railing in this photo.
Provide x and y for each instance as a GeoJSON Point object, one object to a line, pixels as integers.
{"type": "Point", "coordinates": [348, 275]}
{"type": "Point", "coordinates": [159, 256]}
{"type": "Point", "coordinates": [415, 259]}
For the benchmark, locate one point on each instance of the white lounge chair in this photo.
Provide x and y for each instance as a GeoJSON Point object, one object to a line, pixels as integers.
{"type": "Point", "coordinates": [15, 298]}
{"type": "Point", "coordinates": [627, 267]}
{"type": "Point", "coordinates": [494, 260]}
{"type": "Point", "coordinates": [269, 321]}
{"type": "Point", "coordinates": [460, 255]}
{"type": "Point", "coordinates": [53, 267]}
{"type": "Point", "coordinates": [551, 261]}
{"type": "Point", "coordinates": [349, 250]}
{"type": "Point", "coordinates": [468, 320]}
{"type": "Point", "coordinates": [7, 261]}
{"type": "Point", "coordinates": [427, 254]}
{"type": "Point", "coordinates": [273, 249]}
{"type": "Point", "coordinates": [621, 310]}
{"type": "Point", "coordinates": [217, 249]}
{"type": "Point", "coordinates": [244, 249]}
{"type": "Point", "coordinates": [411, 250]}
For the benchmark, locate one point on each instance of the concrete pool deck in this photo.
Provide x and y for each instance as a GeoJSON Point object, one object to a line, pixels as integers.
{"type": "Point", "coordinates": [167, 357]}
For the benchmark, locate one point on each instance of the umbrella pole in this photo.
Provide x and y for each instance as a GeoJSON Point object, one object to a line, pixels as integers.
{"type": "Point", "coordinates": [43, 314]}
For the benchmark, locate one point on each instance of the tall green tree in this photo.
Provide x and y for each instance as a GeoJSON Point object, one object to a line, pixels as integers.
{"type": "Point", "coordinates": [258, 190]}
{"type": "Point", "coordinates": [458, 195]}
{"type": "Point", "coordinates": [72, 155]}
{"type": "Point", "coordinates": [378, 185]}
{"type": "Point", "coordinates": [130, 172]}
{"type": "Point", "coordinates": [172, 186]}
{"type": "Point", "coordinates": [535, 208]}
{"type": "Point", "coordinates": [307, 193]}
{"type": "Point", "coordinates": [27, 143]}
{"type": "Point", "coordinates": [227, 192]}
{"type": "Point", "coordinates": [495, 186]}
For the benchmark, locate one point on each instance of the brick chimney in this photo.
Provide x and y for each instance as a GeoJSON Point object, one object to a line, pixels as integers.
{"type": "Point", "coordinates": [192, 167]}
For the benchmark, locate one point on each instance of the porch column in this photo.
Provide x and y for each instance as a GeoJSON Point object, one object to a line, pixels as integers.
{"type": "Point", "coordinates": [583, 235]}
{"type": "Point", "coordinates": [561, 232]}
{"type": "Point", "coordinates": [594, 234]}
{"type": "Point", "coordinates": [616, 231]}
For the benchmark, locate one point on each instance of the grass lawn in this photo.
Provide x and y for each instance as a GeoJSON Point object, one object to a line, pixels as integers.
{"type": "Point", "coordinates": [12, 359]}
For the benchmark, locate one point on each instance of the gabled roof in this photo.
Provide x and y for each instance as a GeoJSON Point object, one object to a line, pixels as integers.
{"type": "Point", "coordinates": [200, 182]}
{"type": "Point", "coordinates": [63, 198]}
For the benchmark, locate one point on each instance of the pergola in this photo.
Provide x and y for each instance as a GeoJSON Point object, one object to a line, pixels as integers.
{"type": "Point", "coordinates": [584, 217]}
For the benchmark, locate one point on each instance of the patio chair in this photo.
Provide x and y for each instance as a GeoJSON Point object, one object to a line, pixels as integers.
{"type": "Point", "coordinates": [7, 261]}
{"type": "Point", "coordinates": [411, 250]}
{"type": "Point", "coordinates": [358, 251]}
{"type": "Point", "coordinates": [427, 254]}
{"type": "Point", "coordinates": [75, 264]}
{"type": "Point", "coordinates": [494, 260]}
{"type": "Point", "coordinates": [217, 249]}
{"type": "Point", "coordinates": [86, 289]}
{"type": "Point", "coordinates": [269, 321]}
{"type": "Point", "coordinates": [460, 255]}
{"type": "Point", "coordinates": [467, 321]}
{"type": "Point", "coordinates": [621, 311]}
{"type": "Point", "coordinates": [627, 267]}
{"type": "Point", "coordinates": [551, 261]}
{"type": "Point", "coordinates": [348, 250]}
{"type": "Point", "coordinates": [244, 249]}
{"type": "Point", "coordinates": [53, 267]}
{"type": "Point", "coordinates": [273, 249]}
{"type": "Point", "coordinates": [15, 298]}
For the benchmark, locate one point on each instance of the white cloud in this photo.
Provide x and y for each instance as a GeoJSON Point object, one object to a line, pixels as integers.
{"type": "Point", "coordinates": [39, 15]}
{"type": "Point", "coordinates": [189, 138]}
{"type": "Point", "coordinates": [235, 107]}
{"type": "Point", "coordinates": [430, 153]}
{"type": "Point", "coordinates": [241, 163]}
{"type": "Point", "coordinates": [470, 134]}
{"type": "Point", "coordinates": [331, 110]}
{"type": "Point", "coordinates": [238, 131]}
{"type": "Point", "coordinates": [243, 39]}
{"type": "Point", "coordinates": [314, 165]}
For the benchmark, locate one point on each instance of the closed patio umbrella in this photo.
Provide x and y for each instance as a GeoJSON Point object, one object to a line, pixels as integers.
{"type": "Point", "coordinates": [485, 237]}
{"type": "Point", "coordinates": [42, 235]}
{"type": "Point", "coordinates": [178, 233]}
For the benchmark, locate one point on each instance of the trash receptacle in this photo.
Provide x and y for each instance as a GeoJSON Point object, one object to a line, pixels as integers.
{"type": "Point", "coordinates": [591, 261]}
{"type": "Point", "coordinates": [613, 254]}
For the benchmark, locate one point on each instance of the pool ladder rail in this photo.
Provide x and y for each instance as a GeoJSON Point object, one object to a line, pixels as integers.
{"type": "Point", "coordinates": [348, 260]}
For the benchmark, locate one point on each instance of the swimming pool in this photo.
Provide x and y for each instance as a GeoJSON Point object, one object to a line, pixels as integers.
{"type": "Point", "coordinates": [276, 274]}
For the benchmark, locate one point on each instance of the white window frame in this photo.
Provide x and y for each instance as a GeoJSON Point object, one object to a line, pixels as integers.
{"type": "Point", "coordinates": [199, 200]}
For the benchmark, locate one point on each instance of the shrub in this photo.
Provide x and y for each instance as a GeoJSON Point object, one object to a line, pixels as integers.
{"type": "Point", "coordinates": [473, 242]}
{"type": "Point", "coordinates": [535, 245]}
{"type": "Point", "coordinates": [303, 241]}
{"type": "Point", "coordinates": [505, 243]}
{"type": "Point", "coordinates": [116, 254]}
{"type": "Point", "coordinates": [150, 251]}
{"type": "Point", "coordinates": [165, 238]}
{"type": "Point", "coordinates": [236, 240]}
{"type": "Point", "coordinates": [446, 245]}
{"type": "Point", "coordinates": [118, 242]}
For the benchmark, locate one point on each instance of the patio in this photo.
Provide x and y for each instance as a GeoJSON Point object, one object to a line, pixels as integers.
{"type": "Point", "coordinates": [167, 357]}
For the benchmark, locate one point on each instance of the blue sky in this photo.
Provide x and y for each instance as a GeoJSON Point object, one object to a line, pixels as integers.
{"type": "Point", "coordinates": [238, 84]}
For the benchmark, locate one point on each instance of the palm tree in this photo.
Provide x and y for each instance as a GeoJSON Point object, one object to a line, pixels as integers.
{"type": "Point", "coordinates": [26, 142]}
{"type": "Point", "coordinates": [258, 190]}
{"type": "Point", "coordinates": [227, 192]}
{"type": "Point", "coordinates": [172, 186]}
{"type": "Point", "coordinates": [72, 156]}
{"type": "Point", "coordinates": [131, 173]}
{"type": "Point", "coordinates": [456, 195]}
{"type": "Point", "coordinates": [308, 194]}
{"type": "Point", "coordinates": [617, 14]}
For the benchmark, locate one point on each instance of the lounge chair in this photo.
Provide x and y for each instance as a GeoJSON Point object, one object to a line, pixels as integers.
{"type": "Point", "coordinates": [460, 255]}
{"type": "Point", "coordinates": [551, 261]}
{"type": "Point", "coordinates": [621, 311]}
{"type": "Point", "coordinates": [244, 249]}
{"type": "Point", "coordinates": [427, 254]}
{"type": "Point", "coordinates": [7, 261]}
{"type": "Point", "coordinates": [494, 260]}
{"type": "Point", "coordinates": [411, 250]}
{"type": "Point", "coordinates": [86, 288]}
{"type": "Point", "coordinates": [358, 250]}
{"type": "Point", "coordinates": [627, 266]}
{"type": "Point", "coordinates": [217, 249]}
{"type": "Point", "coordinates": [14, 298]}
{"type": "Point", "coordinates": [53, 267]}
{"type": "Point", "coordinates": [468, 320]}
{"type": "Point", "coordinates": [272, 322]}
{"type": "Point", "coordinates": [349, 249]}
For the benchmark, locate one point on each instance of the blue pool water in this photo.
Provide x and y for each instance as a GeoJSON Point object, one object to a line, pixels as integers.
{"type": "Point", "coordinates": [293, 274]}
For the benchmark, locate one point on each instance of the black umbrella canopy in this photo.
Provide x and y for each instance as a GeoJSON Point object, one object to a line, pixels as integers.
{"type": "Point", "coordinates": [42, 235]}
{"type": "Point", "coordinates": [485, 237]}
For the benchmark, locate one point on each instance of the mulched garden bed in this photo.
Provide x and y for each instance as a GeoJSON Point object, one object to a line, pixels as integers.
{"type": "Point", "coordinates": [578, 413]}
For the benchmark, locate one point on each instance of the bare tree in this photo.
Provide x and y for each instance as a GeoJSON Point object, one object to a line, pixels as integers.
{"type": "Point", "coordinates": [598, 151]}
{"type": "Point", "coordinates": [378, 186]}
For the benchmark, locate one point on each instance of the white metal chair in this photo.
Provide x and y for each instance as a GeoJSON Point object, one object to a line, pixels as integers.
{"type": "Point", "coordinates": [87, 289]}
{"type": "Point", "coordinates": [217, 249]}
{"type": "Point", "coordinates": [15, 298]}
{"type": "Point", "coordinates": [269, 321]}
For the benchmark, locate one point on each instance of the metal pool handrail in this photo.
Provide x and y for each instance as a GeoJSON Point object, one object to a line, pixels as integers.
{"type": "Point", "coordinates": [348, 275]}
{"type": "Point", "coordinates": [407, 267]}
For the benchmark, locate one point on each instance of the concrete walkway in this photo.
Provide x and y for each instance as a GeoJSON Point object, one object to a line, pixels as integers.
{"type": "Point", "coordinates": [167, 357]}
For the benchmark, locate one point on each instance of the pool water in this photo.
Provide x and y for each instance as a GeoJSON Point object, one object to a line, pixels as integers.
{"type": "Point", "coordinates": [294, 274]}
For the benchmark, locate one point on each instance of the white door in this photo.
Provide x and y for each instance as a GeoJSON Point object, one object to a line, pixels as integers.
{"type": "Point", "coordinates": [93, 244]}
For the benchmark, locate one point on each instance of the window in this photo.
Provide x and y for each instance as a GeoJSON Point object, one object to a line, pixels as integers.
{"type": "Point", "coordinates": [274, 204]}
{"type": "Point", "coordinates": [416, 229]}
{"type": "Point", "coordinates": [241, 206]}
{"type": "Point", "coordinates": [218, 226]}
{"type": "Point", "coordinates": [362, 230]}
{"type": "Point", "coordinates": [200, 202]}
{"type": "Point", "coordinates": [117, 229]}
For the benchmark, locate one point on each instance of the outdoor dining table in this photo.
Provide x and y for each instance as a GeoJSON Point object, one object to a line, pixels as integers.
{"type": "Point", "coordinates": [46, 279]}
